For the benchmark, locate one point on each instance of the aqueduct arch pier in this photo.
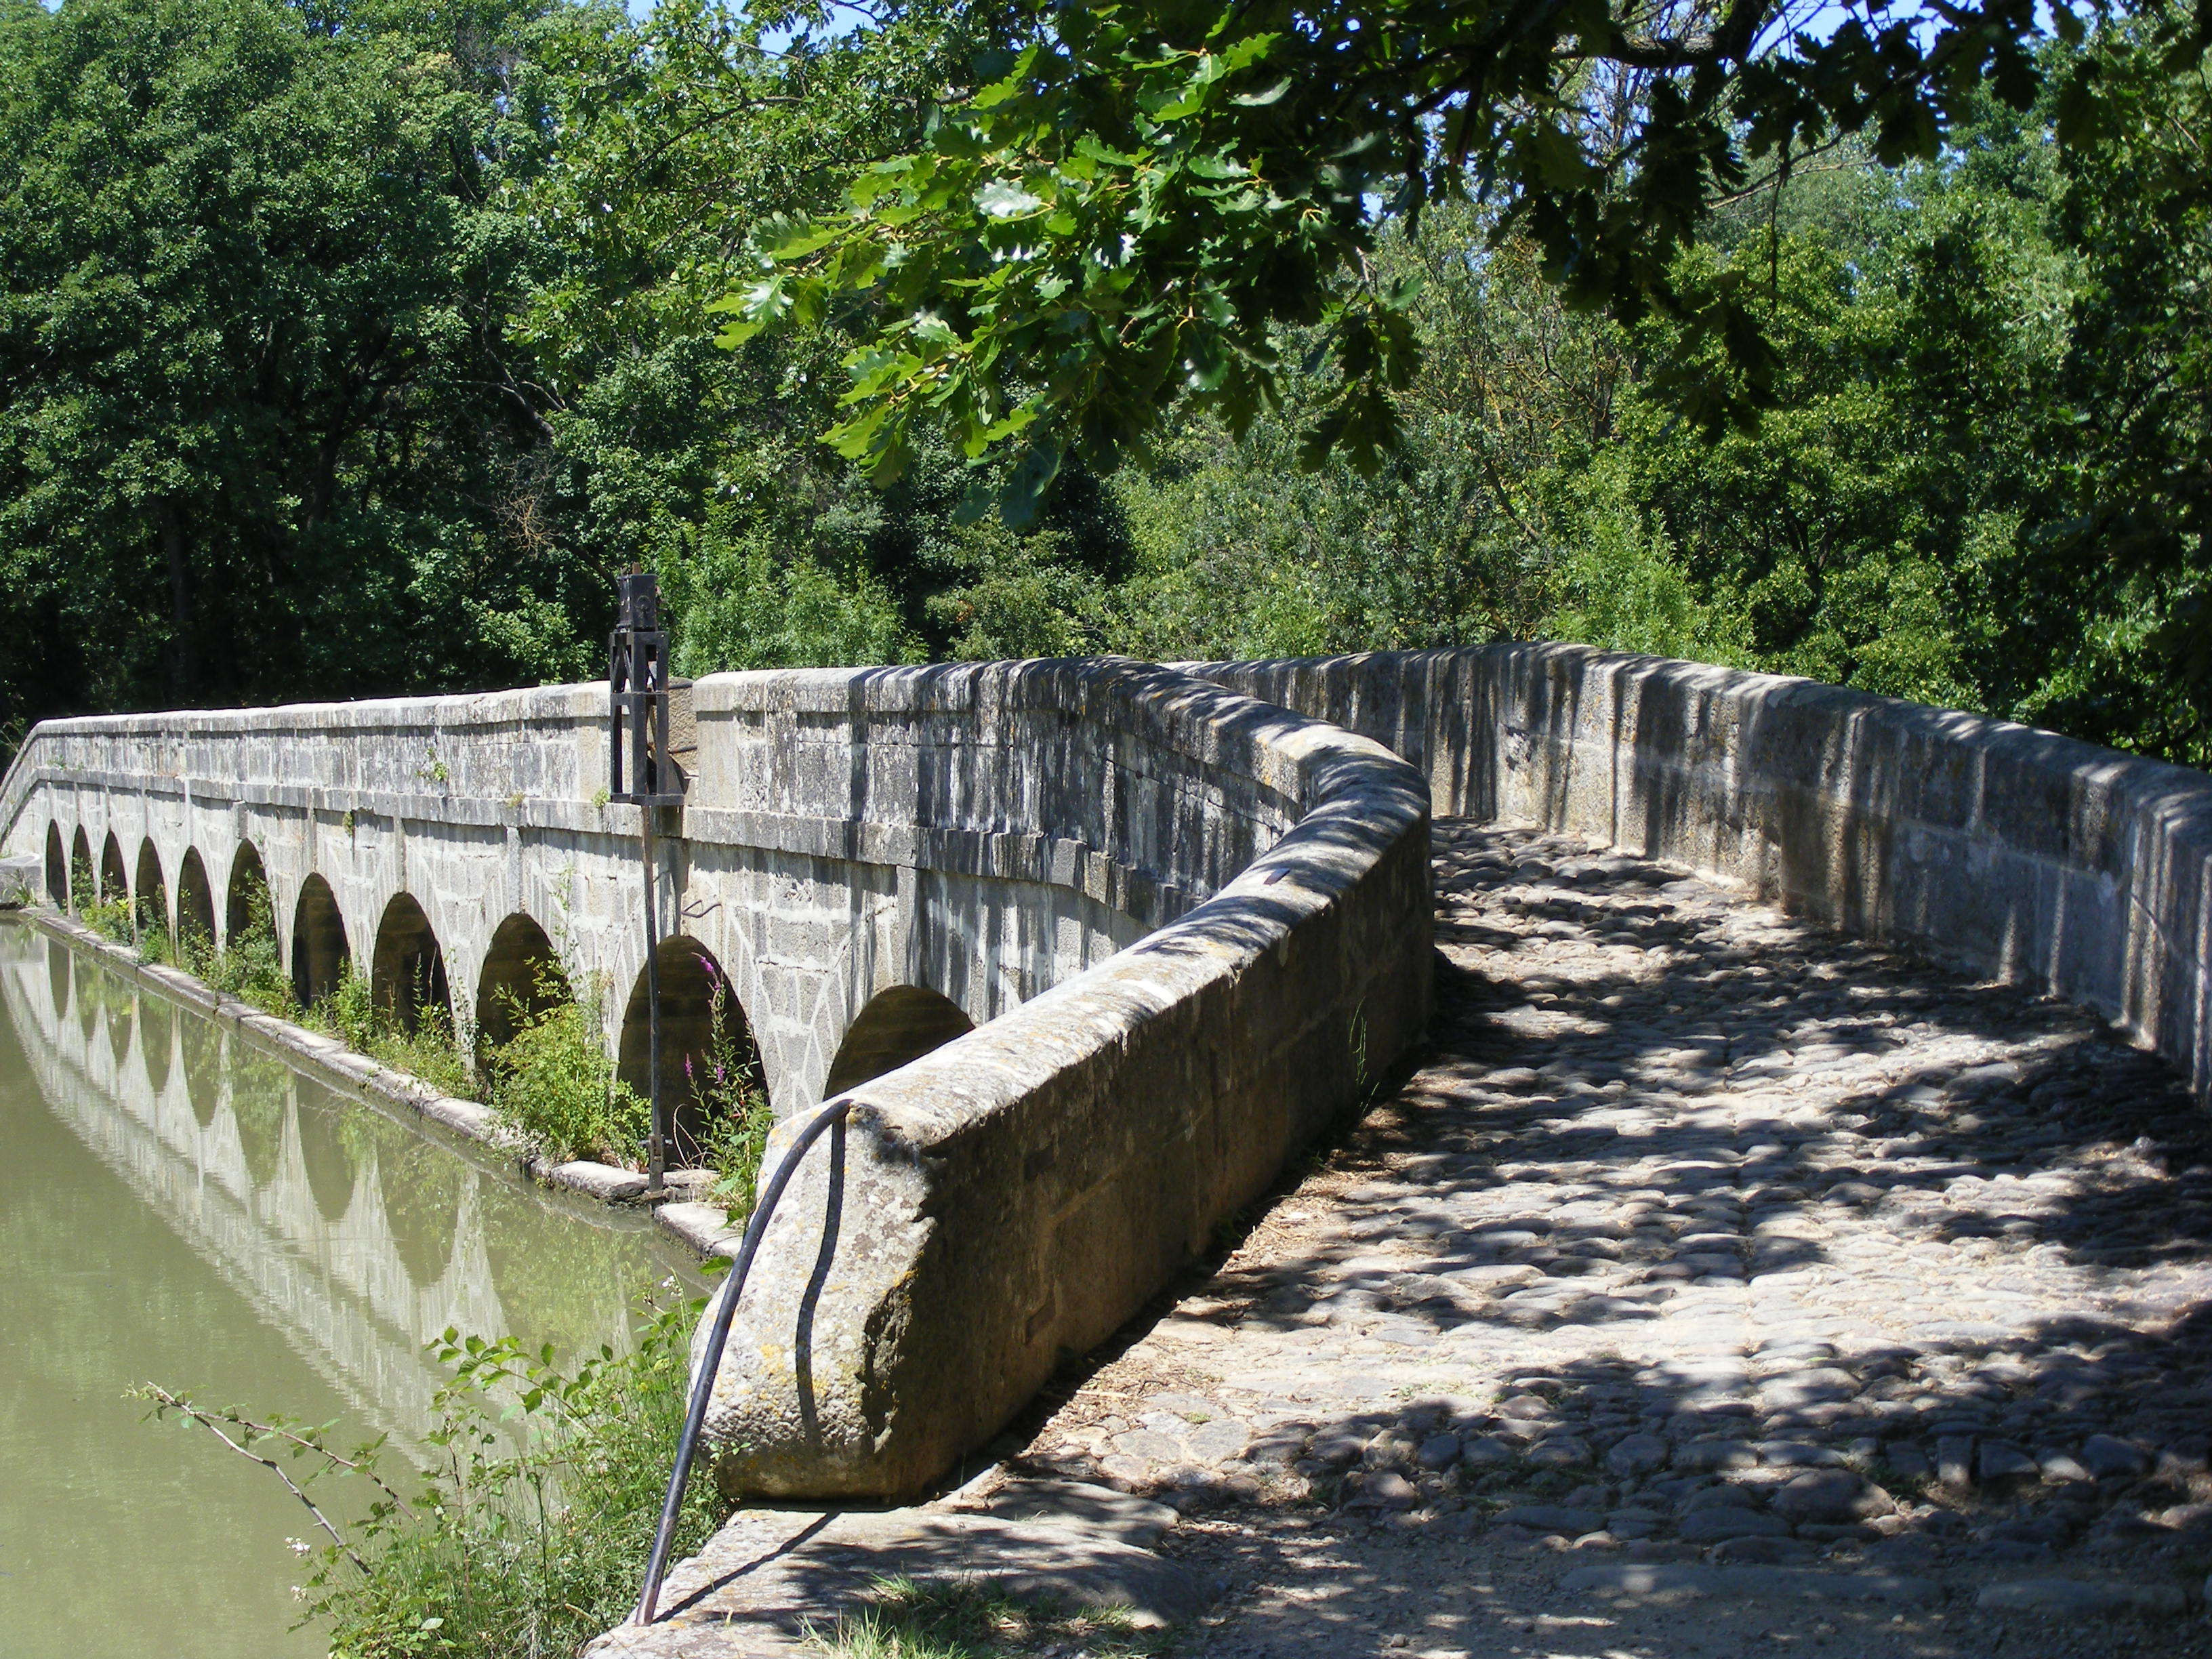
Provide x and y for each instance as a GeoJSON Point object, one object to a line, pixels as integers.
{"type": "Point", "coordinates": [1093, 945]}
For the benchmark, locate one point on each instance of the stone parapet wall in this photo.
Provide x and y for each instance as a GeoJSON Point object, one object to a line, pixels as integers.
{"type": "Point", "coordinates": [1005, 1202]}
{"type": "Point", "coordinates": [2025, 856]}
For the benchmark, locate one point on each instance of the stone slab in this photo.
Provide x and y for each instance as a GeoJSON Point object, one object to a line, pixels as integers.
{"type": "Point", "coordinates": [769, 1574]}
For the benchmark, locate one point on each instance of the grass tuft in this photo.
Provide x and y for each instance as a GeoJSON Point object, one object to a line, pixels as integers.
{"type": "Point", "coordinates": [978, 1619]}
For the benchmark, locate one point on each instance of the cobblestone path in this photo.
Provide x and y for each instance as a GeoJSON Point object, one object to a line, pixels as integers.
{"type": "Point", "coordinates": [1719, 1283]}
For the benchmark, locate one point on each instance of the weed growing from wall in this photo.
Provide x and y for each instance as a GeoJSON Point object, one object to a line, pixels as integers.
{"type": "Point", "coordinates": [733, 1104]}
{"type": "Point", "coordinates": [110, 918]}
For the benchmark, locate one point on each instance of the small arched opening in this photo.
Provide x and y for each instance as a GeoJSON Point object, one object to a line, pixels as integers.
{"type": "Point", "coordinates": [899, 1025]}
{"type": "Point", "coordinates": [82, 888]}
{"type": "Point", "coordinates": [320, 953]}
{"type": "Point", "coordinates": [195, 909]}
{"type": "Point", "coordinates": [522, 979]}
{"type": "Point", "coordinates": [407, 978]}
{"type": "Point", "coordinates": [114, 879]}
{"type": "Point", "coordinates": [709, 1067]}
{"type": "Point", "coordinates": [246, 909]}
{"type": "Point", "coordinates": [149, 911]}
{"type": "Point", "coordinates": [57, 885]}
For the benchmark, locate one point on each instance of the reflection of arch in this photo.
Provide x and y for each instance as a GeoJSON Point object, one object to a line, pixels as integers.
{"type": "Point", "coordinates": [322, 1152]}
{"type": "Point", "coordinates": [699, 1016]}
{"type": "Point", "coordinates": [56, 869]}
{"type": "Point", "coordinates": [151, 910]}
{"type": "Point", "coordinates": [318, 942]}
{"type": "Point", "coordinates": [259, 1089]}
{"type": "Point", "coordinates": [84, 982]}
{"type": "Point", "coordinates": [194, 902]}
{"type": "Point", "coordinates": [203, 1055]}
{"type": "Point", "coordinates": [408, 976]}
{"type": "Point", "coordinates": [57, 976]}
{"type": "Point", "coordinates": [248, 891]}
{"type": "Point", "coordinates": [518, 974]}
{"type": "Point", "coordinates": [422, 1187]}
{"type": "Point", "coordinates": [82, 890]}
{"type": "Point", "coordinates": [114, 879]}
{"type": "Point", "coordinates": [157, 1035]}
{"type": "Point", "coordinates": [902, 1023]}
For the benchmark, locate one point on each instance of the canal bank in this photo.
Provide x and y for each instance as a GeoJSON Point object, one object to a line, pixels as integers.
{"type": "Point", "coordinates": [703, 1227]}
{"type": "Point", "coordinates": [178, 1205]}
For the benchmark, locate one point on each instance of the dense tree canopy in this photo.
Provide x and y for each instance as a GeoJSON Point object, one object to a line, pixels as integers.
{"type": "Point", "coordinates": [351, 348]}
{"type": "Point", "coordinates": [1126, 216]}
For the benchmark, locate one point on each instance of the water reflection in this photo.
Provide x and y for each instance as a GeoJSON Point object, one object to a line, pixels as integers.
{"type": "Point", "coordinates": [355, 1236]}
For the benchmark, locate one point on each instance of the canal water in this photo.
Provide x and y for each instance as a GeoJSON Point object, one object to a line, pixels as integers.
{"type": "Point", "coordinates": [178, 1206]}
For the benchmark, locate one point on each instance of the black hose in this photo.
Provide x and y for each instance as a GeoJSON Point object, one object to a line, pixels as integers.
{"type": "Point", "coordinates": [702, 1388]}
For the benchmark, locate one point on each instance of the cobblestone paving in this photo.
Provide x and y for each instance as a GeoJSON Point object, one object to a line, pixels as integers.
{"type": "Point", "coordinates": [1750, 1265]}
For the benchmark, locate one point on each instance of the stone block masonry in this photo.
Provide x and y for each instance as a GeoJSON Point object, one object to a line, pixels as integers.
{"type": "Point", "coordinates": [2016, 854]}
{"type": "Point", "coordinates": [1188, 929]}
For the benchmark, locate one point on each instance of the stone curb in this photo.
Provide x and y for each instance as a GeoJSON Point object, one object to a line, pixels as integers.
{"type": "Point", "coordinates": [329, 1061]}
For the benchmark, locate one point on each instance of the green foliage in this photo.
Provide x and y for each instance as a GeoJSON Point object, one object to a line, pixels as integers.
{"type": "Point", "coordinates": [1135, 201]}
{"type": "Point", "coordinates": [976, 1618]}
{"type": "Point", "coordinates": [260, 419]}
{"type": "Point", "coordinates": [554, 1082]}
{"type": "Point", "coordinates": [110, 917]}
{"type": "Point", "coordinates": [732, 1102]}
{"type": "Point", "coordinates": [250, 967]}
{"type": "Point", "coordinates": [347, 359]}
{"type": "Point", "coordinates": [431, 1050]}
{"type": "Point", "coordinates": [528, 1537]}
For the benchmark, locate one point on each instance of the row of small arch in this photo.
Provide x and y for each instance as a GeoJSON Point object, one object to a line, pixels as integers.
{"type": "Point", "coordinates": [702, 1015]}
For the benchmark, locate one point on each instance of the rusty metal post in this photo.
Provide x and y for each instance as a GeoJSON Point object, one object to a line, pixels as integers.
{"type": "Point", "coordinates": [642, 774]}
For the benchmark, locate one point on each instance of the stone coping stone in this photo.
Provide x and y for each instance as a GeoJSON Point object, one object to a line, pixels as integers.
{"type": "Point", "coordinates": [1665, 1582]}
{"type": "Point", "coordinates": [769, 1574]}
{"type": "Point", "coordinates": [705, 1227]}
{"type": "Point", "coordinates": [2080, 1598]}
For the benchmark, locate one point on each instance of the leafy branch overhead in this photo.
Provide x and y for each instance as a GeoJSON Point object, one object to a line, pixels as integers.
{"type": "Point", "coordinates": [1140, 197]}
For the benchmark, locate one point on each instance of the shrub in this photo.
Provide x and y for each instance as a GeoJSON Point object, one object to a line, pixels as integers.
{"type": "Point", "coordinates": [554, 1084]}
{"type": "Point", "coordinates": [528, 1537]}
{"type": "Point", "coordinates": [110, 918]}
{"type": "Point", "coordinates": [250, 967]}
{"type": "Point", "coordinates": [433, 1051]}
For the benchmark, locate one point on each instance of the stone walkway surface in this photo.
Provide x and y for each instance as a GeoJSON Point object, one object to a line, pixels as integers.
{"type": "Point", "coordinates": [1719, 1285]}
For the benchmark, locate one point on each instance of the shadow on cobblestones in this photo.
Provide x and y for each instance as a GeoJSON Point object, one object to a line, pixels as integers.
{"type": "Point", "coordinates": [1704, 1235]}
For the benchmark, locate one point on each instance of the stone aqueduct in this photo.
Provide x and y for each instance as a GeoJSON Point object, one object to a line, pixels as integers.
{"type": "Point", "coordinates": [1093, 945]}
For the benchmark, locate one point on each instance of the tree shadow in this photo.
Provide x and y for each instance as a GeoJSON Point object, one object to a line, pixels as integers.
{"type": "Point", "coordinates": [1646, 1097]}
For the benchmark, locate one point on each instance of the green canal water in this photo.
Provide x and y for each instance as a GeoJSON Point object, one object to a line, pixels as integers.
{"type": "Point", "coordinates": [178, 1206]}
